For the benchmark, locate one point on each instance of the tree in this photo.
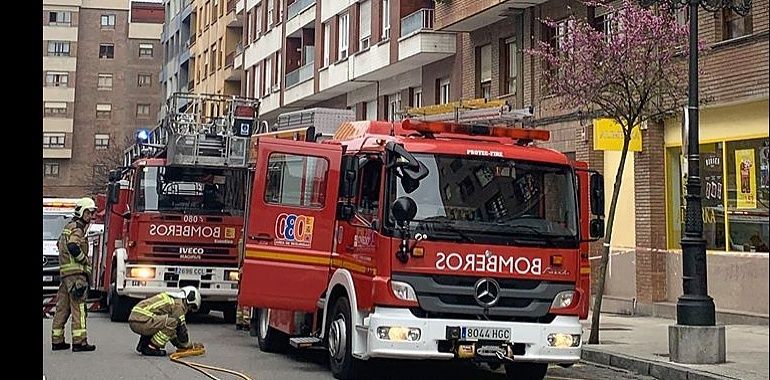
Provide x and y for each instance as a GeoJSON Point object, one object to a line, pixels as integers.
{"type": "Point", "coordinates": [104, 161]}
{"type": "Point", "coordinates": [630, 69]}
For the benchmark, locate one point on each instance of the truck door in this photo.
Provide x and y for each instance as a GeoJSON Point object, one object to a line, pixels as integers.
{"type": "Point", "coordinates": [291, 224]}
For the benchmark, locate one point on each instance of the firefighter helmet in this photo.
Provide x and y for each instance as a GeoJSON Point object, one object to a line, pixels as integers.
{"type": "Point", "coordinates": [191, 297]}
{"type": "Point", "coordinates": [84, 204]}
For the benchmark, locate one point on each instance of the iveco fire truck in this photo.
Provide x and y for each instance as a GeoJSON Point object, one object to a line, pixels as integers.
{"type": "Point", "coordinates": [175, 211]}
{"type": "Point", "coordinates": [421, 240]}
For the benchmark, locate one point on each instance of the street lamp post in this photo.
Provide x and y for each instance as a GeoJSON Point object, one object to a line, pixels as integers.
{"type": "Point", "coordinates": [696, 338]}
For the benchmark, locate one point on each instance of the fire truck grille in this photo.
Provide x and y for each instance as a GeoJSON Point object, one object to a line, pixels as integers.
{"type": "Point", "coordinates": [442, 296]}
{"type": "Point", "coordinates": [50, 261]}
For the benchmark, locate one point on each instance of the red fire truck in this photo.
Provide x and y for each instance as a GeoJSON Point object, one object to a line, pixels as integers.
{"type": "Point", "coordinates": [175, 211]}
{"type": "Point", "coordinates": [421, 240]}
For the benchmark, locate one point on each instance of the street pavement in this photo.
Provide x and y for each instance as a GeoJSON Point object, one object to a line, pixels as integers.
{"type": "Point", "coordinates": [115, 358]}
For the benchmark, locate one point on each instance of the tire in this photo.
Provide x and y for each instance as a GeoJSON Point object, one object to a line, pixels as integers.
{"type": "Point", "coordinates": [120, 307]}
{"type": "Point", "coordinates": [229, 313]}
{"type": "Point", "coordinates": [269, 339]}
{"type": "Point", "coordinates": [526, 371]}
{"type": "Point", "coordinates": [339, 335]}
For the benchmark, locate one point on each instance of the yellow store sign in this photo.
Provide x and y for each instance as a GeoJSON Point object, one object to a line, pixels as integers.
{"type": "Point", "coordinates": [608, 135]}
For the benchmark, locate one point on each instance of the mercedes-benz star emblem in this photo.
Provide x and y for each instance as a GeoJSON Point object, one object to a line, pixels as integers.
{"type": "Point", "coordinates": [487, 292]}
{"type": "Point", "coordinates": [45, 260]}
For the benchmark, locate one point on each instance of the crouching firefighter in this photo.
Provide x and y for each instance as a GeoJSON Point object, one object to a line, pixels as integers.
{"type": "Point", "coordinates": [75, 271]}
{"type": "Point", "coordinates": [161, 319]}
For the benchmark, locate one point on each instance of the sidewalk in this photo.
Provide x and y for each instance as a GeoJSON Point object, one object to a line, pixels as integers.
{"type": "Point", "coordinates": [640, 344]}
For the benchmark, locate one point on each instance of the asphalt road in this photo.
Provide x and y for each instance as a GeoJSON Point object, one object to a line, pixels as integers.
{"type": "Point", "coordinates": [115, 358]}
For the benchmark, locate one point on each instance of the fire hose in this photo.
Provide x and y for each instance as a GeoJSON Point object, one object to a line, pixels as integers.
{"type": "Point", "coordinates": [197, 350]}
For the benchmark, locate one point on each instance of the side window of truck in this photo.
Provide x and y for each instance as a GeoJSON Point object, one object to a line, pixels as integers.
{"type": "Point", "coordinates": [294, 180]}
{"type": "Point", "coordinates": [369, 193]}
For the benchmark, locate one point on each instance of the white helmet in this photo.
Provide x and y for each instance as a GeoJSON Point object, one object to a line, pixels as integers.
{"type": "Point", "coordinates": [191, 297]}
{"type": "Point", "coordinates": [84, 204]}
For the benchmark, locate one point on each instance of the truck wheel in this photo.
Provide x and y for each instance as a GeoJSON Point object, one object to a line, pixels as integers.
{"type": "Point", "coordinates": [268, 338]}
{"type": "Point", "coordinates": [120, 307]}
{"type": "Point", "coordinates": [229, 313]}
{"type": "Point", "coordinates": [339, 335]}
{"type": "Point", "coordinates": [526, 371]}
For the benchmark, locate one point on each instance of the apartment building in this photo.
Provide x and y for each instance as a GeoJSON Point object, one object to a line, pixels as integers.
{"type": "Point", "coordinates": [374, 56]}
{"type": "Point", "coordinates": [217, 36]}
{"type": "Point", "coordinates": [177, 36]}
{"type": "Point", "coordinates": [645, 271]}
{"type": "Point", "coordinates": [100, 63]}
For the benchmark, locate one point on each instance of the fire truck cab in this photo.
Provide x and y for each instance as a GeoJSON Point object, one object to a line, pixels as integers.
{"type": "Point", "coordinates": [421, 240]}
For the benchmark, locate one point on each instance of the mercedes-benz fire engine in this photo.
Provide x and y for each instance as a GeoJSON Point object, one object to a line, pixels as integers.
{"type": "Point", "coordinates": [175, 211]}
{"type": "Point", "coordinates": [421, 240]}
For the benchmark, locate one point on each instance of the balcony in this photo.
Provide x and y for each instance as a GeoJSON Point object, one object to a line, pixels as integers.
{"type": "Point", "coordinates": [57, 153]}
{"type": "Point", "coordinates": [229, 59]}
{"type": "Point", "coordinates": [300, 75]}
{"type": "Point", "coordinates": [238, 60]}
{"type": "Point", "coordinates": [297, 7]}
{"type": "Point", "coordinates": [301, 14]}
{"type": "Point", "coordinates": [239, 6]}
{"type": "Point", "coordinates": [467, 16]}
{"type": "Point", "coordinates": [233, 20]}
{"type": "Point", "coordinates": [417, 21]}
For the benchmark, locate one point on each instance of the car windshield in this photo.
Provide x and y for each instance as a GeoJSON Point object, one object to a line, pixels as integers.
{"type": "Point", "coordinates": [53, 224]}
{"type": "Point", "coordinates": [192, 190]}
{"type": "Point", "coordinates": [494, 199]}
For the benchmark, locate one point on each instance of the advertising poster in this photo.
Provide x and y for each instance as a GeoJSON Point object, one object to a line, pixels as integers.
{"type": "Point", "coordinates": [746, 186]}
{"type": "Point", "coordinates": [711, 183]}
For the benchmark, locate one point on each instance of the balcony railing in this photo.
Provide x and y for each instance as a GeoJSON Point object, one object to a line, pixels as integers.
{"type": "Point", "coordinates": [300, 75]}
{"type": "Point", "coordinates": [420, 20]}
{"type": "Point", "coordinates": [229, 59]}
{"type": "Point", "coordinates": [298, 6]}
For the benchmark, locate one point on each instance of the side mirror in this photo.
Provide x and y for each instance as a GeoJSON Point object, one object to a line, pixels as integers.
{"type": "Point", "coordinates": [596, 228]}
{"type": "Point", "coordinates": [403, 209]}
{"type": "Point", "coordinates": [349, 176]}
{"type": "Point", "coordinates": [401, 158]}
{"type": "Point", "coordinates": [113, 189]}
{"type": "Point", "coordinates": [597, 194]}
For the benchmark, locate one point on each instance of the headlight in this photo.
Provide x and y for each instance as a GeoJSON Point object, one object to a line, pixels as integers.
{"type": "Point", "coordinates": [563, 299]}
{"type": "Point", "coordinates": [560, 340]}
{"type": "Point", "coordinates": [232, 275]}
{"type": "Point", "coordinates": [141, 272]}
{"type": "Point", "coordinates": [403, 291]}
{"type": "Point", "coordinates": [398, 333]}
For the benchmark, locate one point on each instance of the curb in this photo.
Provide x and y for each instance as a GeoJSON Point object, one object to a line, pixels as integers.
{"type": "Point", "coordinates": [658, 370]}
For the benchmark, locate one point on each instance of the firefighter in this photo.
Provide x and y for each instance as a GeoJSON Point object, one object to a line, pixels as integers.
{"type": "Point", "coordinates": [75, 272]}
{"type": "Point", "coordinates": [161, 319]}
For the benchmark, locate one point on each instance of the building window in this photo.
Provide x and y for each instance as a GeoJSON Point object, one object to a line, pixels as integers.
{"type": "Point", "coordinates": [343, 36]}
{"type": "Point", "coordinates": [257, 23]}
{"type": "Point", "coordinates": [108, 22]}
{"type": "Point", "coordinates": [105, 82]}
{"type": "Point", "coordinates": [59, 48]}
{"type": "Point", "coordinates": [213, 59]}
{"type": "Point", "coordinates": [101, 141]}
{"type": "Point", "coordinates": [107, 51]}
{"type": "Point", "coordinates": [327, 45]}
{"type": "Point", "coordinates": [735, 25]}
{"type": "Point", "coordinates": [443, 91]}
{"type": "Point", "coordinates": [56, 79]}
{"type": "Point", "coordinates": [417, 97]}
{"type": "Point", "coordinates": [734, 177]}
{"type": "Point", "coordinates": [54, 109]}
{"type": "Point", "coordinates": [277, 75]}
{"type": "Point", "coordinates": [286, 178]}
{"type": "Point", "coordinates": [364, 24]}
{"type": "Point", "coordinates": [142, 110]}
{"type": "Point", "coordinates": [103, 111]}
{"type": "Point", "coordinates": [510, 67]}
{"type": "Point", "coordinates": [145, 50]}
{"type": "Point", "coordinates": [53, 140]}
{"type": "Point", "coordinates": [270, 7]}
{"type": "Point", "coordinates": [144, 80]}
{"type": "Point", "coordinates": [394, 106]}
{"type": "Point", "coordinates": [385, 19]}
{"type": "Point", "coordinates": [60, 18]}
{"type": "Point", "coordinates": [268, 78]}
{"type": "Point", "coordinates": [51, 169]}
{"type": "Point", "coordinates": [484, 70]}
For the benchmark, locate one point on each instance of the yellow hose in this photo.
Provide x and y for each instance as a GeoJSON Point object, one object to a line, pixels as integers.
{"type": "Point", "coordinates": [198, 351]}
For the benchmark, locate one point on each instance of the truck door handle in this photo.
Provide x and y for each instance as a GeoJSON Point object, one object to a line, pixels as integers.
{"type": "Point", "coordinates": [262, 236]}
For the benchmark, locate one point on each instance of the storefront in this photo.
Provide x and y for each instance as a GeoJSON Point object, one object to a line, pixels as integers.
{"type": "Point", "coordinates": [734, 171]}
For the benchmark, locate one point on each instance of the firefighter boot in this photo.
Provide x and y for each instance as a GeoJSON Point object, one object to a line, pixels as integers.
{"type": "Point", "coordinates": [83, 347]}
{"type": "Point", "coordinates": [60, 346]}
{"type": "Point", "coordinates": [150, 350]}
{"type": "Point", "coordinates": [143, 341]}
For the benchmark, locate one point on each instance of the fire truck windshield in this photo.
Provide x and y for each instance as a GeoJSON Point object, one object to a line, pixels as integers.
{"type": "Point", "coordinates": [191, 190]}
{"type": "Point", "coordinates": [494, 200]}
{"type": "Point", "coordinates": [53, 224]}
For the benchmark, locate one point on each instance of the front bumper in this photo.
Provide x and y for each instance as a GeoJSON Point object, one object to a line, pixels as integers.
{"type": "Point", "coordinates": [211, 282]}
{"type": "Point", "coordinates": [533, 336]}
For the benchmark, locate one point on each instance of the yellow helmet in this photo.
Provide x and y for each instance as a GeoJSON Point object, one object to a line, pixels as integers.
{"type": "Point", "coordinates": [84, 204]}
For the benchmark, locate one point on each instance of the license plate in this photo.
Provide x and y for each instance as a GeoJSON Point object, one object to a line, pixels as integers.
{"type": "Point", "coordinates": [485, 333]}
{"type": "Point", "coordinates": [47, 278]}
{"type": "Point", "coordinates": [193, 271]}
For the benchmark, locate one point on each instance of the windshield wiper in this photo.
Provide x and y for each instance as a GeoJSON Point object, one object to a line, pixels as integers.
{"type": "Point", "coordinates": [447, 223]}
